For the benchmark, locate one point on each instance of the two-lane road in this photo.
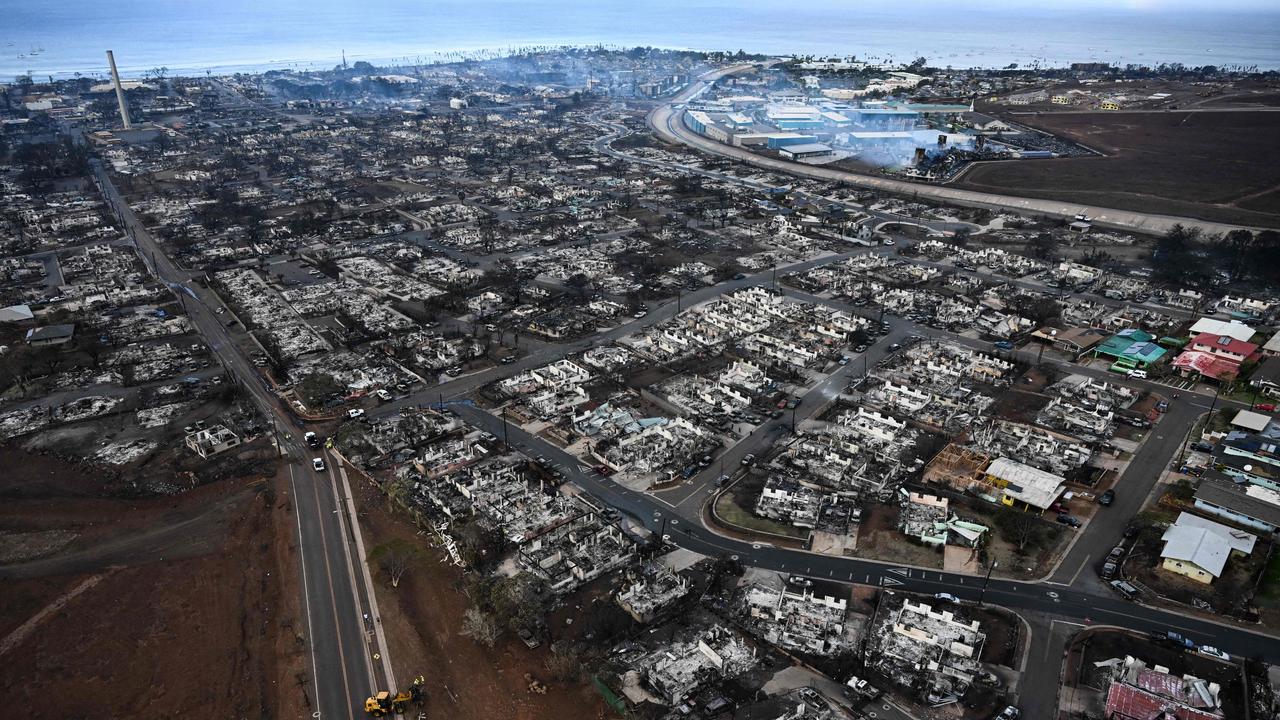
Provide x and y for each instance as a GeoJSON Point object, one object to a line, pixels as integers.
{"type": "Point", "coordinates": [684, 526]}
{"type": "Point", "coordinates": [339, 649]}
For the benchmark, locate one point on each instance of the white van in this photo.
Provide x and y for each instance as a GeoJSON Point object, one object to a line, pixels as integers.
{"type": "Point", "coordinates": [1140, 374]}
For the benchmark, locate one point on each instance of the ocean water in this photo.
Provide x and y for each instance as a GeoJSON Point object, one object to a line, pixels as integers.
{"type": "Point", "coordinates": [64, 37]}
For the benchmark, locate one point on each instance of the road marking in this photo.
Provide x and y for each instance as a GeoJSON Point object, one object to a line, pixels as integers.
{"type": "Point", "coordinates": [1079, 569]}
{"type": "Point", "coordinates": [324, 544]}
{"type": "Point", "coordinates": [311, 645]}
{"type": "Point", "coordinates": [900, 571]}
{"type": "Point", "coordinates": [889, 582]}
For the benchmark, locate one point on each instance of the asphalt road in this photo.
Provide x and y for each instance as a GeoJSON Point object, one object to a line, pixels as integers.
{"type": "Point", "coordinates": [343, 674]}
{"type": "Point", "coordinates": [684, 527]}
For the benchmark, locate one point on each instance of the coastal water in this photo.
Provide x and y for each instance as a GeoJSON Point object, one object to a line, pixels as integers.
{"type": "Point", "coordinates": [63, 37]}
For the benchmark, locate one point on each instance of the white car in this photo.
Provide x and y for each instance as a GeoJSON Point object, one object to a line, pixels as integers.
{"type": "Point", "coordinates": [318, 464]}
{"type": "Point", "coordinates": [354, 413]}
{"type": "Point", "coordinates": [1214, 652]}
{"type": "Point", "coordinates": [948, 597]}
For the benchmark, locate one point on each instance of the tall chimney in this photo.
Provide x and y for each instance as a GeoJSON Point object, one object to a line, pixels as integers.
{"type": "Point", "coordinates": [115, 78]}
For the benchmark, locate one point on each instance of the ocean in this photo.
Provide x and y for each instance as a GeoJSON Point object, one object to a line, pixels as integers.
{"type": "Point", "coordinates": [62, 38]}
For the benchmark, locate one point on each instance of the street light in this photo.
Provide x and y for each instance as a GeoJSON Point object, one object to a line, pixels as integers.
{"type": "Point", "coordinates": [986, 580]}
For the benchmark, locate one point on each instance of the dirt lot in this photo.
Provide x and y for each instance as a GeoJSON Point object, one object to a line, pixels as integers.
{"type": "Point", "coordinates": [879, 538]}
{"type": "Point", "coordinates": [1210, 165]}
{"type": "Point", "coordinates": [166, 607]}
{"type": "Point", "coordinates": [465, 681]}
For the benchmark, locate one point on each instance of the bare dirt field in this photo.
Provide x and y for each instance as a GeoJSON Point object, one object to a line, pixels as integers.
{"type": "Point", "coordinates": [423, 623]}
{"type": "Point", "coordinates": [1216, 166]}
{"type": "Point", "coordinates": [163, 607]}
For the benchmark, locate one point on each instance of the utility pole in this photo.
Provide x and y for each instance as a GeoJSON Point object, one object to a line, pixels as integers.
{"type": "Point", "coordinates": [986, 580]}
{"type": "Point", "coordinates": [504, 428]}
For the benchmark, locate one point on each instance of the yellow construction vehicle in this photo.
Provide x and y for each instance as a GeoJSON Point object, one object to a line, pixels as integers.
{"type": "Point", "coordinates": [384, 703]}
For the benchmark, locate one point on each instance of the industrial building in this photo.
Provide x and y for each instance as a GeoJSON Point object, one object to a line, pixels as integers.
{"type": "Point", "coordinates": [805, 150]}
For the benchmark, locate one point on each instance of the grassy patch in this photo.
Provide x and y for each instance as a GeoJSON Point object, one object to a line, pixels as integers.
{"type": "Point", "coordinates": [733, 514]}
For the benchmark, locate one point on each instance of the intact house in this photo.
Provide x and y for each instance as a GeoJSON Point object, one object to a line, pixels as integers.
{"type": "Point", "coordinates": [1249, 505]}
{"type": "Point", "coordinates": [1215, 357]}
{"type": "Point", "coordinates": [1266, 378]}
{"type": "Point", "coordinates": [50, 335]}
{"type": "Point", "coordinates": [1199, 548]}
{"type": "Point", "coordinates": [1022, 486]}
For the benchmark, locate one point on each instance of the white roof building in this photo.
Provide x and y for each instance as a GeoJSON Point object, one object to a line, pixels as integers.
{"type": "Point", "coordinates": [1026, 484]}
{"type": "Point", "coordinates": [1230, 328]}
{"type": "Point", "coordinates": [1250, 420]}
{"type": "Point", "coordinates": [1204, 542]}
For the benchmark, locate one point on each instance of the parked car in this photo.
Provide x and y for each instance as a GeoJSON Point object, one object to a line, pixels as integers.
{"type": "Point", "coordinates": [354, 413]}
{"type": "Point", "coordinates": [383, 395]}
{"type": "Point", "coordinates": [800, 581]}
{"type": "Point", "coordinates": [1070, 520]}
{"type": "Point", "coordinates": [1106, 498]}
{"type": "Point", "coordinates": [895, 347]}
{"type": "Point", "coordinates": [1009, 713]}
{"type": "Point", "coordinates": [317, 464]}
{"type": "Point", "coordinates": [1108, 570]}
{"type": "Point", "coordinates": [1265, 407]}
{"type": "Point", "coordinates": [508, 360]}
{"type": "Point", "coordinates": [946, 597]}
{"type": "Point", "coordinates": [1128, 591]}
{"type": "Point", "coordinates": [1202, 446]}
{"type": "Point", "coordinates": [749, 459]}
{"type": "Point", "coordinates": [1135, 373]}
{"type": "Point", "coordinates": [844, 359]}
{"type": "Point", "coordinates": [1214, 652]}
{"type": "Point", "coordinates": [1002, 345]}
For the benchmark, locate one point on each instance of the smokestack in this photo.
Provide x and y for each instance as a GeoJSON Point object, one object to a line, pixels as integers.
{"type": "Point", "coordinates": [115, 78]}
